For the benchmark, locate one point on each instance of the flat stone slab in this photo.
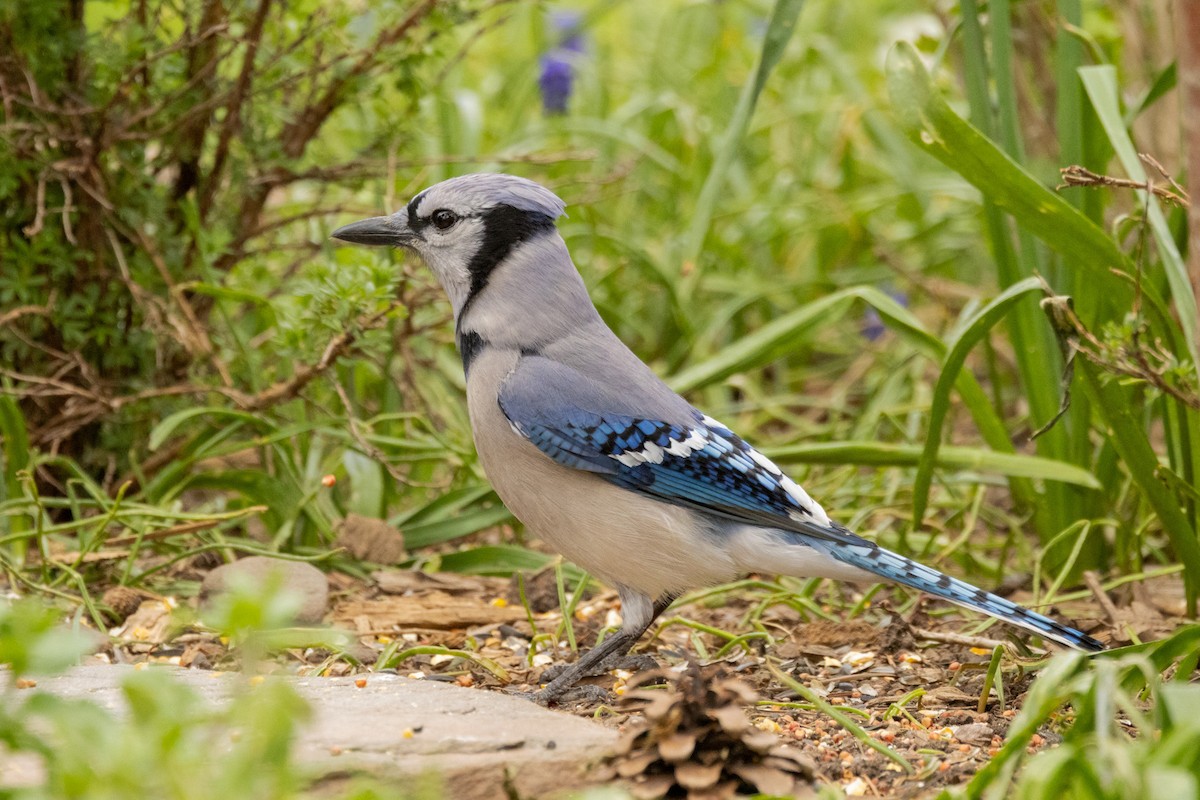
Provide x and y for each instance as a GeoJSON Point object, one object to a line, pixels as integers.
{"type": "Point", "coordinates": [391, 727]}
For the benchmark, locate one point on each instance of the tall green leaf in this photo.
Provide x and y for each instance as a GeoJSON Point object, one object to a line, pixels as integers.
{"type": "Point", "coordinates": [779, 32]}
{"type": "Point", "coordinates": [942, 133]}
{"type": "Point", "coordinates": [968, 337]}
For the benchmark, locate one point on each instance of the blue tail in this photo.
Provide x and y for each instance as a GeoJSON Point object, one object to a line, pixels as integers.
{"type": "Point", "coordinates": [866, 555]}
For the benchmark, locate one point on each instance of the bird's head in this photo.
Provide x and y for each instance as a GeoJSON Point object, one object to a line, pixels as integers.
{"type": "Point", "coordinates": [463, 228]}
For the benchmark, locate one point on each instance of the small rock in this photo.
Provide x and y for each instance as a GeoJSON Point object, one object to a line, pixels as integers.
{"type": "Point", "coordinates": [149, 624]}
{"type": "Point", "coordinates": [369, 539]}
{"type": "Point", "coordinates": [975, 733]}
{"type": "Point", "coordinates": [305, 579]}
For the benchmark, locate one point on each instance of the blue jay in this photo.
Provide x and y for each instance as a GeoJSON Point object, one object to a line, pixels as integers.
{"type": "Point", "coordinates": [595, 454]}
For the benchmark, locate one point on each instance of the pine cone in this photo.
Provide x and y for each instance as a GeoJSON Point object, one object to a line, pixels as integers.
{"type": "Point", "coordinates": [697, 742]}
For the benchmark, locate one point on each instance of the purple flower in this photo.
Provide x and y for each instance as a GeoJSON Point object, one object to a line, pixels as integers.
{"type": "Point", "coordinates": [558, 69]}
{"type": "Point", "coordinates": [872, 324]}
{"type": "Point", "coordinates": [555, 83]}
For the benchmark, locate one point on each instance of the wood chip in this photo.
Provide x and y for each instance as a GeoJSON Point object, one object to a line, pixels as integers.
{"type": "Point", "coordinates": [944, 696]}
{"type": "Point", "coordinates": [436, 610]}
{"type": "Point", "coordinates": [149, 623]}
{"type": "Point", "coordinates": [403, 581]}
{"type": "Point", "coordinates": [976, 733]}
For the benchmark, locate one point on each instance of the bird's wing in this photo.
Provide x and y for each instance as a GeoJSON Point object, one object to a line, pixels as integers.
{"type": "Point", "coordinates": [690, 460]}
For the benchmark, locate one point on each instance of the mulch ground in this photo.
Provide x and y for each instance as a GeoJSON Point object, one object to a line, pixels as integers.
{"type": "Point", "coordinates": [914, 683]}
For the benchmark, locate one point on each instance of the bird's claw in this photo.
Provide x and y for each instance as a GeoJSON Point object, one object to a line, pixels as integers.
{"type": "Point", "coordinates": [633, 663]}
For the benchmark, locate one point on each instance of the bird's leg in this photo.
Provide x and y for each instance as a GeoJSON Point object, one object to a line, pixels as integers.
{"type": "Point", "coordinates": [639, 612]}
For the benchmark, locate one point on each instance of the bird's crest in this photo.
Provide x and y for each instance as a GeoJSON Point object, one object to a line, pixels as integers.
{"type": "Point", "coordinates": [484, 190]}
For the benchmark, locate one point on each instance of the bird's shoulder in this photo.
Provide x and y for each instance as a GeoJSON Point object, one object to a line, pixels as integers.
{"type": "Point", "coordinates": [680, 455]}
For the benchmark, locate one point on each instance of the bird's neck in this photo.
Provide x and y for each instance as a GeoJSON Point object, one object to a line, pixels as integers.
{"type": "Point", "coordinates": [534, 297]}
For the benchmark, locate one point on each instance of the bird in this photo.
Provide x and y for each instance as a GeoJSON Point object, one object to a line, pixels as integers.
{"type": "Point", "coordinates": [595, 454]}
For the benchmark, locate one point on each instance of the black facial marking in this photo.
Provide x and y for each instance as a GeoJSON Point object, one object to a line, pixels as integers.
{"type": "Point", "coordinates": [504, 227]}
{"type": "Point", "coordinates": [415, 223]}
{"type": "Point", "coordinates": [470, 344]}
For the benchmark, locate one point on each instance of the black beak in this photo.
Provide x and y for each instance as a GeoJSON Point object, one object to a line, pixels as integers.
{"type": "Point", "coordinates": [376, 231]}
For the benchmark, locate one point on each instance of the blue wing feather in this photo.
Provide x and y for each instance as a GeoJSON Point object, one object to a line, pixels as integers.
{"type": "Point", "coordinates": [698, 463]}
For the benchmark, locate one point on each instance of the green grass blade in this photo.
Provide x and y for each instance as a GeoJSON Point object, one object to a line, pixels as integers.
{"type": "Point", "coordinates": [779, 31]}
{"type": "Point", "coordinates": [777, 338]}
{"type": "Point", "coordinates": [841, 718]}
{"type": "Point", "coordinates": [942, 133]}
{"type": "Point", "coordinates": [163, 430]}
{"type": "Point", "coordinates": [968, 337]}
{"type": "Point", "coordinates": [14, 438]}
{"type": "Point", "coordinates": [1032, 343]}
{"type": "Point", "coordinates": [500, 559]}
{"type": "Point", "coordinates": [888, 454]}
{"type": "Point", "coordinates": [1128, 436]}
{"type": "Point", "coordinates": [443, 530]}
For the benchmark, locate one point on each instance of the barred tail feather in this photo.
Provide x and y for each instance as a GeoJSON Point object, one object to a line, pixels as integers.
{"type": "Point", "coordinates": [906, 572]}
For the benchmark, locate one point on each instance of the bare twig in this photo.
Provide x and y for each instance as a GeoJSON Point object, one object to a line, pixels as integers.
{"type": "Point", "coordinates": [952, 637]}
{"type": "Point", "coordinates": [1076, 175]}
{"type": "Point", "coordinates": [233, 109]}
{"type": "Point", "coordinates": [14, 314]}
{"type": "Point", "coordinates": [39, 216]}
{"type": "Point", "coordinates": [1092, 579]}
{"type": "Point", "coordinates": [298, 133]}
{"type": "Point", "coordinates": [337, 347]}
{"type": "Point", "coordinates": [1134, 359]}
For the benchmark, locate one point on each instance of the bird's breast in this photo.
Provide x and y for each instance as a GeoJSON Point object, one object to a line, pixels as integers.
{"type": "Point", "coordinates": [620, 536]}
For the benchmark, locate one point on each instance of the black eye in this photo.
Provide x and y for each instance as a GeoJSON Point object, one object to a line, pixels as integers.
{"type": "Point", "coordinates": [443, 218]}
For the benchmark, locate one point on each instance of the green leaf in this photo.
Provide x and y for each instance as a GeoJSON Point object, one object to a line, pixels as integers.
{"type": "Point", "coordinates": [970, 334]}
{"type": "Point", "coordinates": [501, 559]}
{"type": "Point", "coordinates": [1128, 436]}
{"type": "Point", "coordinates": [942, 133]}
{"type": "Point", "coordinates": [443, 530]}
{"type": "Point", "coordinates": [779, 32]}
{"type": "Point", "coordinates": [779, 336]}
{"type": "Point", "coordinates": [164, 429]}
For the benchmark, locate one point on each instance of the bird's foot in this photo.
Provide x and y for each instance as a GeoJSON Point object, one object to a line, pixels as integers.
{"type": "Point", "coordinates": [633, 663]}
{"type": "Point", "coordinates": [586, 693]}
